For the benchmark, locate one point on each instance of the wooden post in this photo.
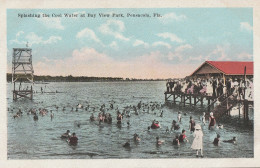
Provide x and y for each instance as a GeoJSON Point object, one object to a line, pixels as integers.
{"type": "Point", "coordinates": [165, 94]}
{"type": "Point", "coordinates": [184, 101]}
{"type": "Point", "coordinates": [208, 105]}
{"type": "Point", "coordinates": [201, 101]}
{"type": "Point", "coordinates": [190, 100]}
{"type": "Point", "coordinates": [239, 111]}
{"type": "Point", "coordinates": [244, 110]}
{"type": "Point", "coordinates": [174, 101]}
{"type": "Point", "coordinates": [195, 101]}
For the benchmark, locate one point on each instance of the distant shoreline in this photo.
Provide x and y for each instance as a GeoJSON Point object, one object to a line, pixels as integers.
{"type": "Point", "coordinates": [47, 78]}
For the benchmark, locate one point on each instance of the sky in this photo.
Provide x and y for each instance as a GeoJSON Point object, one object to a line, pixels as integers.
{"type": "Point", "coordinates": [170, 45]}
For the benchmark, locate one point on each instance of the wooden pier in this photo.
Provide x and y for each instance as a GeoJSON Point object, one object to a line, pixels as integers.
{"type": "Point", "coordinates": [197, 101]}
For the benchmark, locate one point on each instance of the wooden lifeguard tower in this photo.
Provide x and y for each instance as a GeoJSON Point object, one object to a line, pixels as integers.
{"type": "Point", "coordinates": [22, 73]}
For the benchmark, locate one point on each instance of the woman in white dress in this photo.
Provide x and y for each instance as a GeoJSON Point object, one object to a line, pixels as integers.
{"type": "Point", "coordinates": [209, 88]}
{"type": "Point", "coordinates": [198, 140]}
{"type": "Point", "coordinates": [184, 86]}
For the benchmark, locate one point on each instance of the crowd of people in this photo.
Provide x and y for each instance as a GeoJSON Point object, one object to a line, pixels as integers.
{"type": "Point", "coordinates": [106, 113]}
{"type": "Point", "coordinates": [239, 87]}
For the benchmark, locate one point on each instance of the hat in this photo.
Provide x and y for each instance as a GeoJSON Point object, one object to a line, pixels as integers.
{"type": "Point", "coordinates": [197, 126]}
{"type": "Point", "coordinates": [211, 113]}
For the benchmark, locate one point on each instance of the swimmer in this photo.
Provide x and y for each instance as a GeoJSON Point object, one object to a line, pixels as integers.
{"type": "Point", "coordinates": [220, 126]}
{"type": "Point", "coordinates": [161, 115]}
{"type": "Point", "coordinates": [92, 118]}
{"type": "Point", "coordinates": [183, 137]}
{"type": "Point", "coordinates": [167, 129]}
{"type": "Point", "coordinates": [35, 117]}
{"type": "Point", "coordinates": [119, 118]}
{"type": "Point", "coordinates": [158, 141]}
{"type": "Point", "coordinates": [16, 116]}
{"type": "Point", "coordinates": [192, 124]}
{"type": "Point", "coordinates": [155, 124]}
{"type": "Point", "coordinates": [128, 124]}
{"type": "Point", "coordinates": [52, 115]}
{"type": "Point", "coordinates": [126, 145]}
{"type": "Point", "coordinates": [212, 121]}
{"type": "Point", "coordinates": [179, 117]}
{"type": "Point", "coordinates": [234, 140]}
{"type": "Point", "coordinates": [203, 118]}
{"type": "Point", "coordinates": [216, 141]}
{"type": "Point", "coordinates": [175, 126]}
{"type": "Point", "coordinates": [109, 119]}
{"type": "Point", "coordinates": [136, 138]}
{"type": "Point", "coordinates": [66, 134]}
{"type": "Point", "coordinates": [176, 140]}
{"type": "Point", "coordinates": [79, 106]}
{"type": "Point", "coordinates": [148, 129]}
{"type": "Point", "coordinates": [73, 140]}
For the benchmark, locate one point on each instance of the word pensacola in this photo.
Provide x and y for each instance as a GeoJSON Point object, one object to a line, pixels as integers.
{"type": "Point", "coordinates": [23, 15]}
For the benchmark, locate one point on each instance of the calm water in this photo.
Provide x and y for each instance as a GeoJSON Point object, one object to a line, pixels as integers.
{"type": "Point", "coordinates": [29, 139]}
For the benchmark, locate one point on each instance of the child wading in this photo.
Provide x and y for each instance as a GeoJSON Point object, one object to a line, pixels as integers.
{"type": "Point", "coordinates": [198, 141]}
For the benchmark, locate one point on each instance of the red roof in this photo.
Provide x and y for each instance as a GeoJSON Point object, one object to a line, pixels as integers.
{"type": "Point", "coordinates": [231, 67]}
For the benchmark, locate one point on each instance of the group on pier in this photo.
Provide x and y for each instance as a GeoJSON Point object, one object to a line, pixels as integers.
{"type": "Point", "coordinates": [215, 87]}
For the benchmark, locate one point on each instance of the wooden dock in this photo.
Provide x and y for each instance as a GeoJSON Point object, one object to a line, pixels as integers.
{"type": "Point", "coordinates": [197, 101]}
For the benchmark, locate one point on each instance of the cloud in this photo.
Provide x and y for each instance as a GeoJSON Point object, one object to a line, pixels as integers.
{"type": "Point", "coordinates": [113, 45]}
{"type": "Point", "coordinates": [219, 53]}
{"type": "Point", "coordinates": [51, 22]}
{"type": "Point", "coordinates": [169, 17]}
{"type": "Point", "coordinates": [245, 26]}
{"type": "Point", "coordinates": [89, 62]}
{"type": "Point", "coordinates": [114, 28]}
{"type": "Point", "coordinates": [17, 38]}
{"type": "Point", "coordinates": [196, 59]}
{"type": "Point", "coordinates": [88, 34]}
{"type": "Point", "coordinates": [178, 52]}
{"type": "Point", "coordinates": [171, 36]}
{"type": "Point", "coordinates": [140, 42]}
{"type": "Point", "coordinates": [245, 56]}
{"type": "Point", "coordinates": [161, 43]}
{"type": "Point", "coordinates": [33, 38]}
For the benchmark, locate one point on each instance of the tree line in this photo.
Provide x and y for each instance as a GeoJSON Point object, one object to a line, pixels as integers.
{"type": "Point", "coordinates": [70, 78]}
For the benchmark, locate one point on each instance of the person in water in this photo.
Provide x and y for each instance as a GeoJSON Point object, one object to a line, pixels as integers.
{"type": "Point", "coordinates": [212, 121]}
{"type": "Point", "coordinates": [198, 140]}
{"type": "Point", "coordinates": [52, 115]}
{"type": "Point", "coordinates": [175, 126]}
{"type": "Point", "coordinates": [192, 124]}
{"type": "Point", "coordinates": [203, 118]}
{"type": "Point", "coordinates": [73, 140]}
{"type": "Point", "coordinates": [136, 138]}
{"type": "Point", "coordinates": [179, 117]}
{"type": "Point", "coordinates": [35, 117]}
{"type": "Point", "coordinates": [148, 129]}
{"type": "Point", "coordinates": [176, 140]}
{"type": "Point", "coordinates": [183, 137]}
{"type": "Point", "coordinates": [155, 124]}
{"type": "Point", "coordinates": [158, 141]}
{"type": "Point", "coordinates": [126, 145]}
{"type": "Point", "coordinates": [234, 140]}
{"type": "Point", "coordinates": [216, 141]}
{"type": "Point", "coordinates": [66, 134]}
{"type": "Point", "coordinates": [119, 118]}
{"type": "Point", "coordinates": [92, 118]}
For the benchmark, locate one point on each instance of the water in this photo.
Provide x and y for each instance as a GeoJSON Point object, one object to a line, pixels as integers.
{"type": "Point", "coordinates": [29, 139]}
